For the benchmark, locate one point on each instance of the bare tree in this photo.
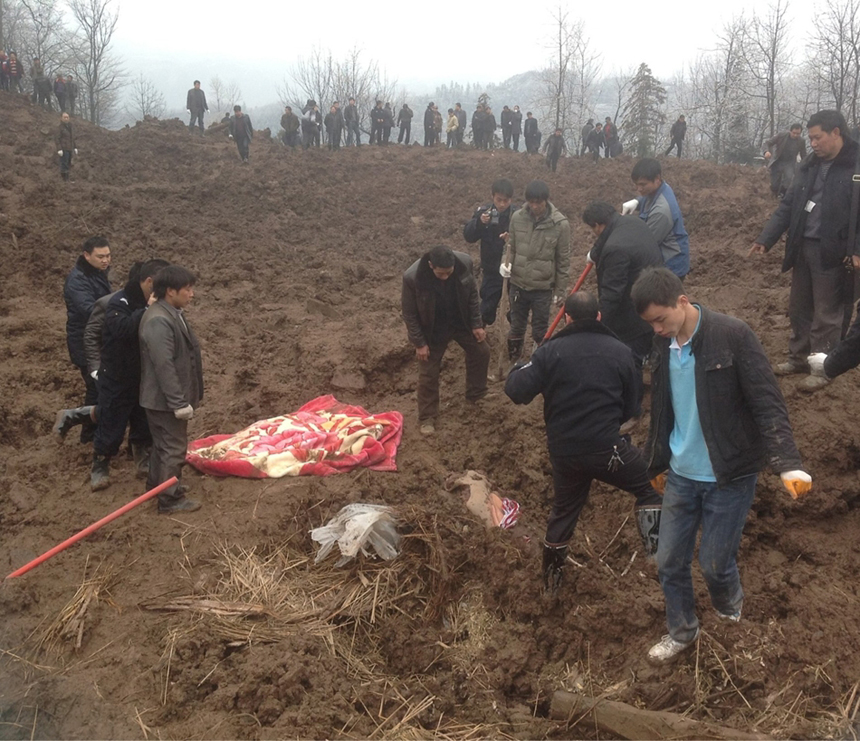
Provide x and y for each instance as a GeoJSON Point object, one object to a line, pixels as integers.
{"type": "Point", "coordinates": [101, 74]}
{"type": "Point", "coordinates": [44, 35]}
{"type": "Point", "coordinates": [224, 94]}
{"type": "Point", "coordinates": [146, 100]}
{"type": "Point", "coordinates": [767, 56]}
{"type": "Point", "coordinates": [311, 79]}
{"type": "Point", "coordinates": [834, 43]}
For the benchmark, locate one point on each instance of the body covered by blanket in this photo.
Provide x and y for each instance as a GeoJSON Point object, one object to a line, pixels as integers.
{"type": "Point", "coordinates": [321, 438]}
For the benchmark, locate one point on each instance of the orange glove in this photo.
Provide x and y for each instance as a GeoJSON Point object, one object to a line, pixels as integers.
{"type": "Point", "coordinates": [659, 483]}
{"type": "Point", "coordinates": [798, 483]}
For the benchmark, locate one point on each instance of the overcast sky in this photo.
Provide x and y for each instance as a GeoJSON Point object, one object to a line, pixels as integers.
{"type": "Point", "coordinates": [421, 45]}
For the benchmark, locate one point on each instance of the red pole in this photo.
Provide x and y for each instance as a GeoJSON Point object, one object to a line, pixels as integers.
{"type": "Point", "coordinates": [576, 287]}
{"type": "Point", "coordinates": [95, 526]}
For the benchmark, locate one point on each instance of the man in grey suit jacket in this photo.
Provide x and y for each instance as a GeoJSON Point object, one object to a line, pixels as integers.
{"type": "Point", "coordinates": [171, 382]}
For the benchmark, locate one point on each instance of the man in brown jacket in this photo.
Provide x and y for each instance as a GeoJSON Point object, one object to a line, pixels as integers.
{"type": "Point", "coordinates": [171, 382]}
{"type": "Point", "coordinates": [440, 304]}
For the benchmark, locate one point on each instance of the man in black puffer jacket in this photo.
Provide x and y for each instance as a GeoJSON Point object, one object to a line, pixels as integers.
{"type": "Point", "coordinates": [440, 304]}
{"type": "Point", "coordinates": [590, 386]}
{"type": "Point", "coordinates": [87, 283]}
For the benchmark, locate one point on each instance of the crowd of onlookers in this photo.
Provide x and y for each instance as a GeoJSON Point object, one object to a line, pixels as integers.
{"type": "Point", "coordinates": [45, 87]}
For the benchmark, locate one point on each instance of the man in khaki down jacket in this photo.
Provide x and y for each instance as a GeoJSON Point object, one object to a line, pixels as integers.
{"type": "Point", "coordinates": [539, 267]}
{"type": "Point", "coordinates": [171, 382]}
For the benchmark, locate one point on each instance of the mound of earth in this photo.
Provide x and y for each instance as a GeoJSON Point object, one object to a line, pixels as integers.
{"type": "Point", "coordinates": [218, 624]}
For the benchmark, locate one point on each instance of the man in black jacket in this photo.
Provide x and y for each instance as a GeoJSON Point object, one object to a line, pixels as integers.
{"type": "Point", "coordinates": [196, 104]}
{"type": "Point", "coordinates": [507, 124]}
{"type": "Point", "coordinates": [531, 133]}
{"type": "Point", "coordinates": [87, 283]}
{"type": "Point", "coordinates": [717, 418]}
{"type": "Point", "coordinates": [404, 123]}
{"type": "Point", "coordinates": [119, 378]}
{"type": "Point", "coordinates": [625, 246]}
{"type": "Point", "coordinates": [376, 118]}
{"type": "Point", "coordinates": [516, 127]}
{"type": "Point", "coordinates": [429, 126]}
{"type": "Point", "coordinates": [590, 386]}
{"type": "Point", "coordinates": [489, 225]}
{"type": "Point", "coordinates": [677, 134]}
{"type": "Point", "coordinates": [440, 304]}
{"type": "Point", "coordinates": [479, 118]}
{"type": "Point", "coordinates": [816, 211]}
{"type": "Point", "coordinates": [350, 118]}
{"type": "Point", "coordinates": [584, 133]}
{"type": "Point", "coordinates": [554, 147]}
{"type": "Point", "coordinates": [241, 131]}
{"type": "Point", "coordinates": [781, 154]}
{"type": "Point", "coordinates": [842, 358]}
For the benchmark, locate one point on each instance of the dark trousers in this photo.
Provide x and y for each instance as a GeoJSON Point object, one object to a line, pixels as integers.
{"type": "Point", "coordinates": [91, 398]}
{"type": "Point", "coordinates": [429, 137]}
{"type": "Point", "coordinates": [515, 134]}
{"type": "Point", "coordinates": [572, 476]}
{"type": "Point", "coordinates": [675, 143]}
{"type": "Point", "coordinates": [531, 143]}
{"type": "Point", "coordinates": [477, 138]}
{"type": "Point", "coordinates": [552, 161]}
{"type": "Point", "coordinates": [119, 407]}
{"type": "Point", "coordinates": [492, 288]}
{"type": "Point", "coordinates": [523, 302]}
{"type": "Point", "coordinates": [66, 163]}
{"type": "Point", "coordinates": [70, 101]}
{"type": "Point", "coordinates": [61, 101]}
{"type": "Point", "coordinates": [375, 132]}
{"type": "Point", "coordinates": [506, 138]}
{"type": "Point", "coordinates": [405, 133]}
{"type": "Point", "coordinates": [641, 347]}
{"type": "Point", "coordinates": [353, 133]}
{"type": "Point", "coordinates": [781, 175]}
{"type": "Point", "coordinates": [243, 144]}
{"type": "Point", "coordinates": [477, 362]}
{"type": "Point", "coordinates": [452, 140]}
{"type": "Point", "coordinates": [196, 116]}
{"type": "Point", "coordinates": [815, 305]}
{"type": "Point", "coordinates": [169, 444]}
{"type": "Point", "coordinates": [290, 140]}
{"type": "Point", "coordinates": [334, 139]}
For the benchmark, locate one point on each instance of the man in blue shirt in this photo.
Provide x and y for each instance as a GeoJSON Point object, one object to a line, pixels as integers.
{"type": "Point", "coordinates": [717, 418]}
{"type": "Point", "coordinates": [659, 209]}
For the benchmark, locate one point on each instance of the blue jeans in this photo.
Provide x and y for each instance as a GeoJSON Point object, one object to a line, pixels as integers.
{"type": "Point", "coordinates": [722, 512]}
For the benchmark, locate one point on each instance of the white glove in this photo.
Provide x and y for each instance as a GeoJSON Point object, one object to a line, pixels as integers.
{"type": "Point", "coordinates": [230, 135]}
{"type": "Point", "coordinates": [588, 258]}
{"type": "Point", "coordinates": [76, 152]}
{"type": "Point", "coordinates": [94, 375]}
{"type": "Point", "coordinates": [184, 413]}
{"type": "Point", "coordinates": [629, 207]}
{"type": "Point", "coordinates": [559, 298]}
{"type": "Point", "coordinates": [798, 483]}
{"type": "Point", "coordinates": [505, 270]}
{"type": "Point", "coordinates": [60, 152]}
{"type": "Point", "coordinates": [816, 364]}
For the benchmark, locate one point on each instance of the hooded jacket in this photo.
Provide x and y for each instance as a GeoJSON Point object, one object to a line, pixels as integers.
{"type": "Point", "coordinates": [741, 409]}
{"type": "Point", "coordinates": [418, 297]}
{"type": "Point", "coordinates": [620, 253]}
{"type": "Point", "coordinates": [835, 210]}
{"type": "Point", "coordinates": [540, 250]}
{"type": "Point", "coordinates": [589, 383]}
{"type": "Point", "coordinates": [84, 286]}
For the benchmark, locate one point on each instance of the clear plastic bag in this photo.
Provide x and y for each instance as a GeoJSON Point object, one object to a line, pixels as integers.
{"type": "Point", "coordinates": [357, 527]}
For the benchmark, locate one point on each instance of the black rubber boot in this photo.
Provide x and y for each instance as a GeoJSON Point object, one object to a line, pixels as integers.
{"type": "Point", "coordinates": [178, 505]}
{"type": "Point", "coordinates": [100, 473]}
{"type": "Point", "coordinates": [141, 459]}
{"type": "Point", "coordinates": [554, 559]}
{"type": "Point", "coordinates": [648, 523]}
{"type": "Point", "coordinates": [68, 418]}
{"type": "Point", "coordinates": [515, 350]}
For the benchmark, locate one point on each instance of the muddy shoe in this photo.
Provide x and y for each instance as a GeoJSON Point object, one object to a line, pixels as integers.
{"type": "Point", "coordinates": [428, 427]}
{"type": "Point", "coordinates": [180, 505]}
{"type": "Point", "coordinates": [735, 617]}
{"type": "Point", "coordinates": [100, 473]}
{"type": "Point", "coordinates": [68, 418]}
{"type": "Point", "coordinates": [141, 455]}
{"type": "Point", "coordinates": [811, 384]}
{"type": "Point", "coordinates": [790, 368]}
{"type": "Point", "coordinates": [668, 649]}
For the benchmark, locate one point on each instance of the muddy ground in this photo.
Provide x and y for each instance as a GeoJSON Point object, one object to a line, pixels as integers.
{"type": "Point", "coordinates": [299, 257]}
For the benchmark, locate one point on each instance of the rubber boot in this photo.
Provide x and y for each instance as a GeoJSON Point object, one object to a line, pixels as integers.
{"type": "Point", "coordinates": [141, 459]}
{"type": "Point", "coordinates": [554, 559]}
{"type": "Point", "coordinates": [100, 473]}
{"type": "Point", "coordinates": [68, 418]}
{"type": "Point", "coordinates": [515, 350]}
{"type": "Point", "coordinates": [648, 524]}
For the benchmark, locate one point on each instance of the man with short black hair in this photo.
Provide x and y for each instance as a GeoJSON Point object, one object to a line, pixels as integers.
{"type": "Point", "coordinates": [659, 209]}
{"type": "Point", "coordinates": [584, 133]}
{"type": "Point", "coordinates": [241, 131]}
{"type": "Point", "coordinates": [516, 127]}
{"type": "Point", "coordinates": [595, 141]}
{"type": "Point", "coordinates": [531, 133]}
{"type": "Point", "coordinates": [554, 147]}
{"type": "Point", "coordinates": [489, 225]}
{"type": "Point", "coordinates": [590, 386]}
{"type": "Point", "coordinates": [782, 154]}
{"type": "Point", "coordinates": [816, 213]}
{"type": "Point", "coordinates": [717, 415]}
{"type": "Point", "coordinates": [439, 301]}
{"type": "Point", "coordinates": [71, 93]}
{"type": "Point", "coordinates": [539, 270]}
{"type": "Point", "coordinates": [461, 120]}
{"type": "Point", "coordinates": [507, 126]}
{"type": "Point", "coordinates": [677, 134]}
{"type": "Point", "coordinates": [290, 124]}
{"type": "Point", "coordinates": [87, 283]}
{"type": "Point", "coordinates": [404, 124]}
{"type": "Point", "coordinates": [171, 382]}
{"type": "Point", "coordinates": [196, 105]}
{"type": "Point", "coordinates": [350, 118]}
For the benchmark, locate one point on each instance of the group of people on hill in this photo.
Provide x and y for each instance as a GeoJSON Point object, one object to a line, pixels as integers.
{"type": "Point", "coordinates": [45, 87]}
{"type": "Point", "coordinates": [718, 416]}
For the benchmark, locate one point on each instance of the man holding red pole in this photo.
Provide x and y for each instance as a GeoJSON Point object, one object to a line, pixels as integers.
{"type": "Point", "coordinates": [540, 265]}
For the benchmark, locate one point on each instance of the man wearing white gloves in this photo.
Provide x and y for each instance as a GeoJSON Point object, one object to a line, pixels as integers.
{"type": "Point", "coordinates": [659, 209]}
{"type": "Point", "coordinates": [717, 418]}
{"type": "Point", "coordinates": [171, 382]}
{"type": "Point", "coordinates": [842, 358]}
{"type": "Point", "coordinates": [539, 239]}
{"type": "Point", "coordinates": [66, 146]}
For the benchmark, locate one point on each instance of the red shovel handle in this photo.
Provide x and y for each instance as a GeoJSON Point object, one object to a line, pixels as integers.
{"type": "Point", "coordinates": [560, 314]}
